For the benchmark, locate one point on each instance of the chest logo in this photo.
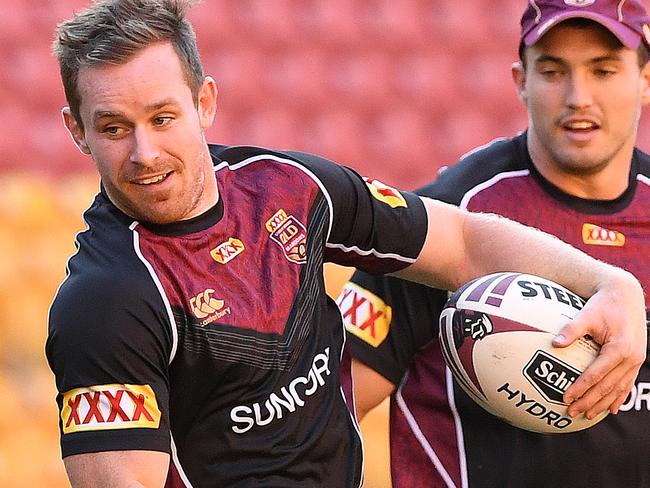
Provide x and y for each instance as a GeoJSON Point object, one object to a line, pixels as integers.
{"type": "Point", "coordinates": [386, 194]}
{"type": "Point", "coordinates": [290, 234]}
{"type": "Point", "coordinates": [205, 306]}
{"type": "Point", "coordinates": [597, 236]}
{"type": "Point", "coordinates": [227, 251]}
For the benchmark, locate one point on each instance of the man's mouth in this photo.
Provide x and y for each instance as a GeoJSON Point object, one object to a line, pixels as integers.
{"type": "Point", "coordinates": [580, 125]}
{"type": "Point", "coordinates": [151, 180]}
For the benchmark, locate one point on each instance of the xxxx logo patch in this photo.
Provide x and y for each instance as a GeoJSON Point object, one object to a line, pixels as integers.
{"type": "Point", "coordinates": [107, 407]}
{"type": "Point", "coordinates": [227, 251]}
{"type": "Point", "coordinates": [290, 234]}
{"type": "Point", "coordinates": [597, 236]}
{"type": "Point", "coordinates": [364, 314]}
{"type": "Point", "coordinates": [385, 194]}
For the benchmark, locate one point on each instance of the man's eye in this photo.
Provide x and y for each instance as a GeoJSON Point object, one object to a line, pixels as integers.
{"type": "Point", "coordinates": [604, 73]}
{"type": "Point", "coordinates": [160, 121]}
{"type": "Point", "coordinates": [112, 130]}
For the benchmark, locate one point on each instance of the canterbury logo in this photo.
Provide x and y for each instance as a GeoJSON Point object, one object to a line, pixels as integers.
{"type": "Point", "coordinates": [227, 251]}
{"type": "Point", "coordinates": [386, 194]}
{"type": "Point", "coordinates": [205, 305]}
{"type": "Point", "coordinates": [107, 407]}
{"type": "Point", "coordinates": [597, 236]}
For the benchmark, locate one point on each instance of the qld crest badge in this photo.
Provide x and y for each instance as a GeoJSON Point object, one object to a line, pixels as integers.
{"type": "Point", "coordinates": [290, 234]}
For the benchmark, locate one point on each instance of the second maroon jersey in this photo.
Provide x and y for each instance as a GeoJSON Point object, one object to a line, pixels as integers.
{"type": "Point", "coordinates": [439, 436]}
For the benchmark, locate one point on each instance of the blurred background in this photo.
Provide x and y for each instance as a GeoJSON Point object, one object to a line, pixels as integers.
{"type": "Point", "coordinates": [393, 88]}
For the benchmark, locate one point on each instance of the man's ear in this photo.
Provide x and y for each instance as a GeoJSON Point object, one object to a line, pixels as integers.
{"type": "Point", "coordinates": [519, 77]}
{"type": "Point", "coordinates": [75, 130]}
{"type": "Point", "coordinates": [207, 102]}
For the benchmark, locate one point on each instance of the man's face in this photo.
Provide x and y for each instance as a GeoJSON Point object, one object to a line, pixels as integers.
{"type": "Point", "coordinates": [584, 94]}
{"type": "Point", "coordinates": [146, 135]}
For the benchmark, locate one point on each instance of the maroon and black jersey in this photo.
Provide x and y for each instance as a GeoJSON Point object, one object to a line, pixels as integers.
{"type": "Point", "coordinates": [212, 339]}
{"type": "Point", "coordinates": [439, 436]}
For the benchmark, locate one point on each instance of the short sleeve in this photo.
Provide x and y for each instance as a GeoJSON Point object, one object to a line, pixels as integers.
{"type": "Point", "coordinates": [108, 346]}
{"type": "Point", "coordinates": [373, 227]}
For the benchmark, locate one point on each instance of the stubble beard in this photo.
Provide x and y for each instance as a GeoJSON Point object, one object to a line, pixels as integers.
{"type": "Point", "coordinates": [580, 162]}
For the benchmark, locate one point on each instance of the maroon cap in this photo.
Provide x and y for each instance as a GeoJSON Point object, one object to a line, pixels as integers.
{"type": "Point", "coordinates": [626, 19]}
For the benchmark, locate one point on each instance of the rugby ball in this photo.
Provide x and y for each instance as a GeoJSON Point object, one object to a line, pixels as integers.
{"type": "Point", "coordinates": [496, 335]}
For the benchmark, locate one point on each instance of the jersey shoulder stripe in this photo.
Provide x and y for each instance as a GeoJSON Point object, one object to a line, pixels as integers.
{"type": "Point", "coordinates": [500, 159]}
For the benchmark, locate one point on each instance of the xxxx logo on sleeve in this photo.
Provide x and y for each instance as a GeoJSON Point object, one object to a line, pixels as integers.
{"type": "Point", "coordinates": [227, 251]}
{"type": "Point", "coordinates": [108, 407]}
{"type": "Point", "coordinates": [290, 234]}
{"type": "Point", "coordinates": [597, 236]}
{"type": "Point", "coordinates": [364, 314]}
{"type": "Point", "coordinates": [386, 194]}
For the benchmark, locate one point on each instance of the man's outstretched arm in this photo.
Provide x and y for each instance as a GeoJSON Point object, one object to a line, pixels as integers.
{"type": "Point", "coordinates": [461, 246]}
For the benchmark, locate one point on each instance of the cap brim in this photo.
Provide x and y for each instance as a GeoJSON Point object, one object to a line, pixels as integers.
{"type": "Point", "coordinates": [623, 33]}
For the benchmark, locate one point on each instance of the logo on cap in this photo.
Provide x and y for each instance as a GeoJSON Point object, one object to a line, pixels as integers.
{"type": "Point", "coordinates": [579, 3]}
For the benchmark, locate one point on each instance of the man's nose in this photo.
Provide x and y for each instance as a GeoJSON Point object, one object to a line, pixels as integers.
{"type": "Point", "coordinates": [145, 150]}
{"type": "Point", "coordinates": [578, 91]}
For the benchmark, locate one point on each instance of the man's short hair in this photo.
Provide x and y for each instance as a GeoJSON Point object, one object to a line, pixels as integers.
{"type": "Point", "coordinates": [111, 32]}
{"type": "Point", "coordinates": [581, 23]}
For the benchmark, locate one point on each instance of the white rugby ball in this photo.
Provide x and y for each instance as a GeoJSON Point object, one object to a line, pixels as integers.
{"type": "Point", "coordinates": [496, 334]}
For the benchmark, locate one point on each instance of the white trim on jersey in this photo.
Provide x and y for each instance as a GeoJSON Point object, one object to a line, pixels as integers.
{"type": "Point", "coordinates": [163, 296]}
{"type": "Point", "coordinates": [415, 428]}
{"type": "Point", "coordinates": [368, 252]}
{"type": "Point", "coordinates": [643, 178]}
{"type": "Point", "coordinates": [488, 183]}
{"type": "Point", "coordinates": [476, 149]}
{"type": "Point", "coordinates": [484, 146]}
{"type": "Point", "coordinates": [320, 184]}
{"type": "Point", "coordinates": [177, 463]}
{"type": "Point", "coordinates": [460, 439]}
{"type": "Point", "coordinates": [353, 413]}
